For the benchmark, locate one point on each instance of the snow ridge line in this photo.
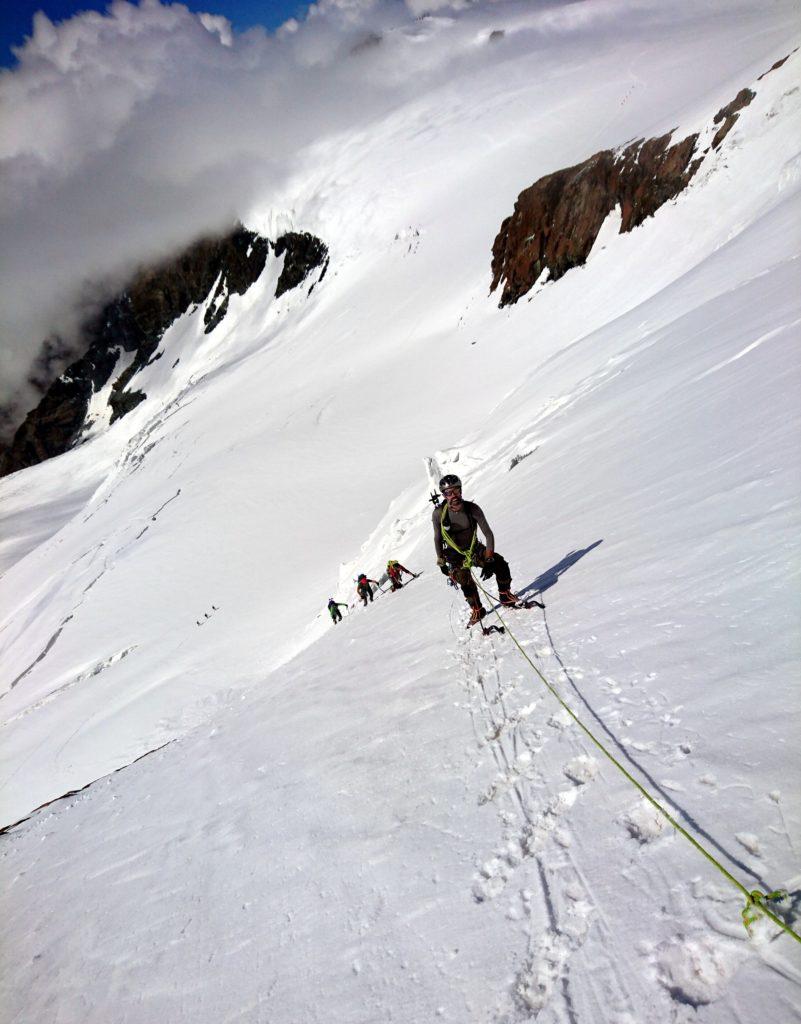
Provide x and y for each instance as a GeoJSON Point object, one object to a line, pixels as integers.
{"type": "Point", "coordinates": [73, 792]}
{"type": "Point", "coordinates": [755, 900]}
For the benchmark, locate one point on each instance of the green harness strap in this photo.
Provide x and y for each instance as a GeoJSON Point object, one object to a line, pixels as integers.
{"type": "Point", "coordinates": [468, 555]}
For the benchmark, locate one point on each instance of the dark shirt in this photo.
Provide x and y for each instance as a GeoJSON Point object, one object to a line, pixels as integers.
{"type": "Point", "coordinates": [461, 528]}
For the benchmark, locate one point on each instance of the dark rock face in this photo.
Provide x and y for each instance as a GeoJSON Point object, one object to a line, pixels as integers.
{"type": "Point", "coordinates": [57, 421]}
{"type": "Point", "coordinates": [557, 219]}
{"type": "Point", "coordinates": [778, 64]}
{"type": "Point", "coordinates": [239, 262]}
{"type": "Point", "coordinates": [135, 321]}
{"type": "Point", "coordinates": [729, 114]}
{"type": "Point", "coordinates": [302, 254]}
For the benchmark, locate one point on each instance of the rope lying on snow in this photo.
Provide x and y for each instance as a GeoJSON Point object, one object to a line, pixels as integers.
{"type": "Point", "coordinates": [756, 901]}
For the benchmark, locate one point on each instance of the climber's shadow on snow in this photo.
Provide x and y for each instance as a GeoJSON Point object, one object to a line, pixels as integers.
{"type": "Point", "coordinates": [551, 576]}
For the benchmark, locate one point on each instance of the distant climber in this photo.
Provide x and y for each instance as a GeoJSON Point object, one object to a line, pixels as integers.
{"type": "Point", "coordinates": [333, 609]}
{"type": "Point", "coordinates": [394, 572]}
{"type": "Point", "coordinates": [456, 524]}
{"type": "Point", "coordinates": [363, 588]}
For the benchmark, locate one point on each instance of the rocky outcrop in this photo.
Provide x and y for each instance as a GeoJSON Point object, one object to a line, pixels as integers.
{"type": "Point", "coordinates": [729, 114]}
{"type": "Point", "coordinates": [557, 219]}
{"type": "Point", "coordinates": [302, 254]}
{"type": "Point", "coordinates": [57, 421]}
{"type": "Point", "coordinates": [134, 323]}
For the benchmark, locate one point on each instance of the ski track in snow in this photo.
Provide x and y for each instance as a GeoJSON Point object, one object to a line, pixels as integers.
{"type": "Point", "coordinates": [551, 895]}
{"type": "Point", "coordinates": [534, 867]}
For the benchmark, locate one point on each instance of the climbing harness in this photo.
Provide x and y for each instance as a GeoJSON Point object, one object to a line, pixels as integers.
{"type": "Point", "coordinates": [468, 555]}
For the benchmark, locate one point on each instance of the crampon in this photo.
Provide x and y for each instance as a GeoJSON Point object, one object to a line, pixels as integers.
{"type": "Point", "coordinates": [507, 599]}
{"type": "Point", "coordinates": [476, 616]}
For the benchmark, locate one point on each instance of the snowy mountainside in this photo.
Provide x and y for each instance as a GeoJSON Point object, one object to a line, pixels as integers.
{"type": "Point", "coordinates": [390, 819]}
{"type": "Point", "coordinates": [400, 824]}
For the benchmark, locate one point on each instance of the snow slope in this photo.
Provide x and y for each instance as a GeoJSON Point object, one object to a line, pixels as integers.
{"type": "Point", "coordinates": [391, 820]}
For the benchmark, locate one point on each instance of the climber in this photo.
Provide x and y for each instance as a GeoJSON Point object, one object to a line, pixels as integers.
{"type": "Point", "coordinates": [363, 588]}
{"type": "Point", "coordinates": [333, 609]}
{"type": "Point", "coordinates": [394, 571]}
{"type": "Point", "coordinates": [456, 523]}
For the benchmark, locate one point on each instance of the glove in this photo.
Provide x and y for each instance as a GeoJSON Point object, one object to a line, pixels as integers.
{"type": "Point", "coordinates": [443, 567]}
{"type": "Point", "coordinates": [487, 572]}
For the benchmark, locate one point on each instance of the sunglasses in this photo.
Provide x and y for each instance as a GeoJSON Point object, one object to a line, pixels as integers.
{"type": "Point", "coordinates": [450, 492]}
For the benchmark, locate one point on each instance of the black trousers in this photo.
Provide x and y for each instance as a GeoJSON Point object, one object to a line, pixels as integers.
{"type": "Point", "coordinates": [497, 565]}
{"type": "Point", "coordinates": [365, 592]}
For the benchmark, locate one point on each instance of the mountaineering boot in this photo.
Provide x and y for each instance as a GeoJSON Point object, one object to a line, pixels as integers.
{"type": "Point", "coordinates": [507, 599]}
{"type": "Point", "coordinates": [477, 614]}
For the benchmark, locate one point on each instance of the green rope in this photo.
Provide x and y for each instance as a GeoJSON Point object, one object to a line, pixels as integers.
{"type": "Point", "coordinates": [756, 900]}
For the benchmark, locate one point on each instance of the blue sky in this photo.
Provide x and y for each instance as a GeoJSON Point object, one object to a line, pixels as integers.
{"type": "Point", "coordinates": [16, 16]}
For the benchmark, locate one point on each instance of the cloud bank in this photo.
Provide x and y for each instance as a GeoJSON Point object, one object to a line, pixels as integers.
{"type": "Point", "coordinates": [127, 135]}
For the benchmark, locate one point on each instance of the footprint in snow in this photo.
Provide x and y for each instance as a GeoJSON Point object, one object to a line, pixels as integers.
{"type": "Point", "coordinates": [560, 719]}
{"type": "Point", "coordinates": [537, 977]}
{"type": "Point", "coordinates": [546, 965]}
{"type": "Point", "coordinates": [644, 823]}
{"type": "Point", "coordinates": [495, 873]}
{"type": "Point", "coordinates": [536, 833]}
{"type": "Point", "coordinates": [581, 769]}
{"type": "Point", "coordinates": [695, 970]}
{"type": "Point", "coordinates": [749, 842]}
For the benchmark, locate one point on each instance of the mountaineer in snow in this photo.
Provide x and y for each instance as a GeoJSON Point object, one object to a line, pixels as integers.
{"type": "Point", "coordinates": [333, 609]}
{"type": "Point", "coordinates": [363, 588]}
{"type": "Point", "coordinates": [456, 523]}
{"type": "Point", "coordinates": [394, 571]}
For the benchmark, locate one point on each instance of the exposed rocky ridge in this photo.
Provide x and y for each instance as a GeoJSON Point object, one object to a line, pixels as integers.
{"type": "Point", "coordinates": [557, 219]}
{"type": "Point", "coordinates": [302, 253]}
{"type": "Point", "coordinates": [728, 115]}
{"type": "Point", "coordinates": [134, 322]}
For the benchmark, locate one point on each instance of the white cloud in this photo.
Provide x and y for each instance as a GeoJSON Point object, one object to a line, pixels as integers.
{"type": "Point", "coordinates": [222, 26]}
{"type": "Point", "coordinates": [127, 134]}
{"type": "Point", "coordinates": [421, 7]}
